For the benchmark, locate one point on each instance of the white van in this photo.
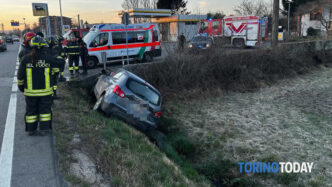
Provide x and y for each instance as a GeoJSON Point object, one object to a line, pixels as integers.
{"type": "Point", "coordinates": [143, 42]}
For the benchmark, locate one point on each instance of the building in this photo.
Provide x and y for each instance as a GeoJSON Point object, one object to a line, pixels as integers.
{"type": "Point", "coordinates": [172, 27]}
{"type": "Point", "coordinates": [318, 17]}
{"type": "Point", "coordinates": [55, 24]}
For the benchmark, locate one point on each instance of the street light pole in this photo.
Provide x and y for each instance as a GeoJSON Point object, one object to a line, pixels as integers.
{"type": "Point", "coordinates": [25, 26]}
{"type": "Point", "coordinates": [61, 18]}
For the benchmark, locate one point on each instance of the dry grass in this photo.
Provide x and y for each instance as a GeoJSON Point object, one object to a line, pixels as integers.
{"type": "Point", "coordinates": [290, 121]}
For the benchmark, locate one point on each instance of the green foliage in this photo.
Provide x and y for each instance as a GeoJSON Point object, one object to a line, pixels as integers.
{"type": "Point", "coordinates": [217, 15]}
{"type": "Point", "coordinates": [177, 6]}
{"type": "Point", "coordinates": [183, 145]}
{"type": "Point", "coordinates": [287, 178]}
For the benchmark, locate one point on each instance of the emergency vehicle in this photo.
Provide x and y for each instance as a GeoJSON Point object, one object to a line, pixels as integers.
{"type": "Point", "coordinates": [74, 32]}
{"type": "Point", "coordinates": [143, 42]}
{"type": "Point", "coordinates": [240, 31]}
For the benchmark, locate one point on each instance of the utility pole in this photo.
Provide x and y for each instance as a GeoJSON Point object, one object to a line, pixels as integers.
{"type": "Point", "coordinates": [61, 18]}
{"type": "Point", "coordinates": [49, 32]}
{"type": "Point", "coordinates": [289, 9]}
{"type": "Point", "coordinates": [275, 23]}
{"type": "Point", "coordinates": [3, 30]}
{"type": "Point", "coordinates": [79, 21]}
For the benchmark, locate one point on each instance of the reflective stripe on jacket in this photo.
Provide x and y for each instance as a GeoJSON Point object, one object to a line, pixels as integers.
{"type": "Point", "coordinates": [36, 78]}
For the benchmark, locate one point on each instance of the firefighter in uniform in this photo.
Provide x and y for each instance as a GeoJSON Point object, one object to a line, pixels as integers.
{"type": "Point", "coordinates": [52, 43]}
{"type": "Point", "coordinates": [84, 55]}
{"type": "Point", "coordinates": [73, 51]}
{"type": "Point", "coordinates": [35, 80]}
{"type": "Point", "coordinates": [25, 48]}
{"type": "Point", "coordinates": [60, 55]}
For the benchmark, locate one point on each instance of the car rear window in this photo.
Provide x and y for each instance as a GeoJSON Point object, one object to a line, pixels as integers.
{"type": "Point", "coordinates": [143, 91]}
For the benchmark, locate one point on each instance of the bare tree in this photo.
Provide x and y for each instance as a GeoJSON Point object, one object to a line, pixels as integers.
{"type": "Point", "coordinates": [128, 4]}
{"type": "Point", "coordinates": [254, 7]}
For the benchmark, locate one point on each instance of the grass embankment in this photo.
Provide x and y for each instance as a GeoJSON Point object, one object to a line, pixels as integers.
{"type": "Point", "coordinates": [205, 134]}
{"type": "Point", "coordinates": [122, 155]}
{"type": "Point", "coordinates": [214, 132]}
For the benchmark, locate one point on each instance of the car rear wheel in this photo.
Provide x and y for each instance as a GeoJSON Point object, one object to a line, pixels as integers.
{"type": "Point", "coordinates": [98, 102]}
{"type": "Point", "coordinates": [92, 62]}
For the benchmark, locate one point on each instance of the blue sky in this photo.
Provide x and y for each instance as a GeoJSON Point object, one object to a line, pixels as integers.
{"type": "Point", "coordinates": [94, 10]}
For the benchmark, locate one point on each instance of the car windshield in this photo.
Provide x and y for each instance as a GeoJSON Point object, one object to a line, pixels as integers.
{"type": "Point", "coordinates": [143, 91]}
{"type": "Point", "coordinates": [199, 39]}
{"type": "Point", "coordinates": [88, 36]}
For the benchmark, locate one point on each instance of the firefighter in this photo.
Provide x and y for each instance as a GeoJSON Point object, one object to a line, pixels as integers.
{"type": "Point", "coordinates": [52, 42]}
{"type": "Point", "coordinates": [182, 41]}
{"type": "Point", "coordinates": [25, 48]}
{"type": "Point", "coordinates": [84, 55]}
{"type": "Point", "coordinates": [60, 55]}
{"type": "Point", "coordinates": [35, 80]}
{"type": "Point", "coordinates": [40, 34]}
{"type": "Point", "coordinates": [73, 51]}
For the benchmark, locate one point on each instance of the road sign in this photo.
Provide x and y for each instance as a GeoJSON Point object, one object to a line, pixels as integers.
{"type": "Point", "coordinates": [39, 9]}
{"type": "Point", "coordinates": [14, 23]}
{"type": "Point", "coordinates": [66, 28]}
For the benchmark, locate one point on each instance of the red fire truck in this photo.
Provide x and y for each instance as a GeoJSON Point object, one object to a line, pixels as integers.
{"type": "Point", "coordinates": [240, 31]}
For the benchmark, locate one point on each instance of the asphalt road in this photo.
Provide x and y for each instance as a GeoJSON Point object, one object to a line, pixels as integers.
{"type": "Point", "coordinates": [24, 160]}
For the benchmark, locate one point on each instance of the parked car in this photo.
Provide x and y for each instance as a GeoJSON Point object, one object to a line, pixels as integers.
{"type": "Point", "coordinates": [16, 39]}
{"type": "Point", "coordinates": [127, 96]}
{"type": "Point", "coordinates": [3, 46]}
{"type": "Point", "coordinates": [9, 39]}
{"type": "Point", "coordinates": [200, 42]}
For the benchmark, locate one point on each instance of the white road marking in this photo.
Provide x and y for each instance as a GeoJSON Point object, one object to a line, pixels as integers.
{"type": "Point", "coordinates": [14, 88]}
{"type": "Point", "coordinates": [7, 148]}
{"type": "Point", "coordinates": [15, 73]}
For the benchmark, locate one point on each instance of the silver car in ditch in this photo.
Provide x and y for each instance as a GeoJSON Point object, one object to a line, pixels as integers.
{"type": "Point", "coordinates": [127, 96]}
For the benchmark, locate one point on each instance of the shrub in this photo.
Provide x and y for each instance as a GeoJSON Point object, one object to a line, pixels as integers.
{"type": "Point", "coordinates": [186, 75]}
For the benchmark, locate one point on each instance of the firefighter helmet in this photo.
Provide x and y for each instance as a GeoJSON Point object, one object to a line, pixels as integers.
{"type": "Point", "coordinates": [52, 41]}
{"type": "Point", "coordinates": [27, 37]}
{"type": "Point", "coordinates": [38, 42]}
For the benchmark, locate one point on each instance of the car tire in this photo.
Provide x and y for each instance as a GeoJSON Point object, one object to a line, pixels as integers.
{"type": "Point", "coordinates": [97, 105]}
{"type": "Point", "coordinates": [147, 57]}
{"type": "Point", "coordinates": [92, 62]}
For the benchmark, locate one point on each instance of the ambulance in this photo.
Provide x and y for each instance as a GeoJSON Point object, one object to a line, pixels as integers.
{"type": "Point", "coordinates": [143, 42]}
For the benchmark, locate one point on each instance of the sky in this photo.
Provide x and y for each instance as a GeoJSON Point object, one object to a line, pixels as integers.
{"type": "Point", "coordinates": [93, 11]}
